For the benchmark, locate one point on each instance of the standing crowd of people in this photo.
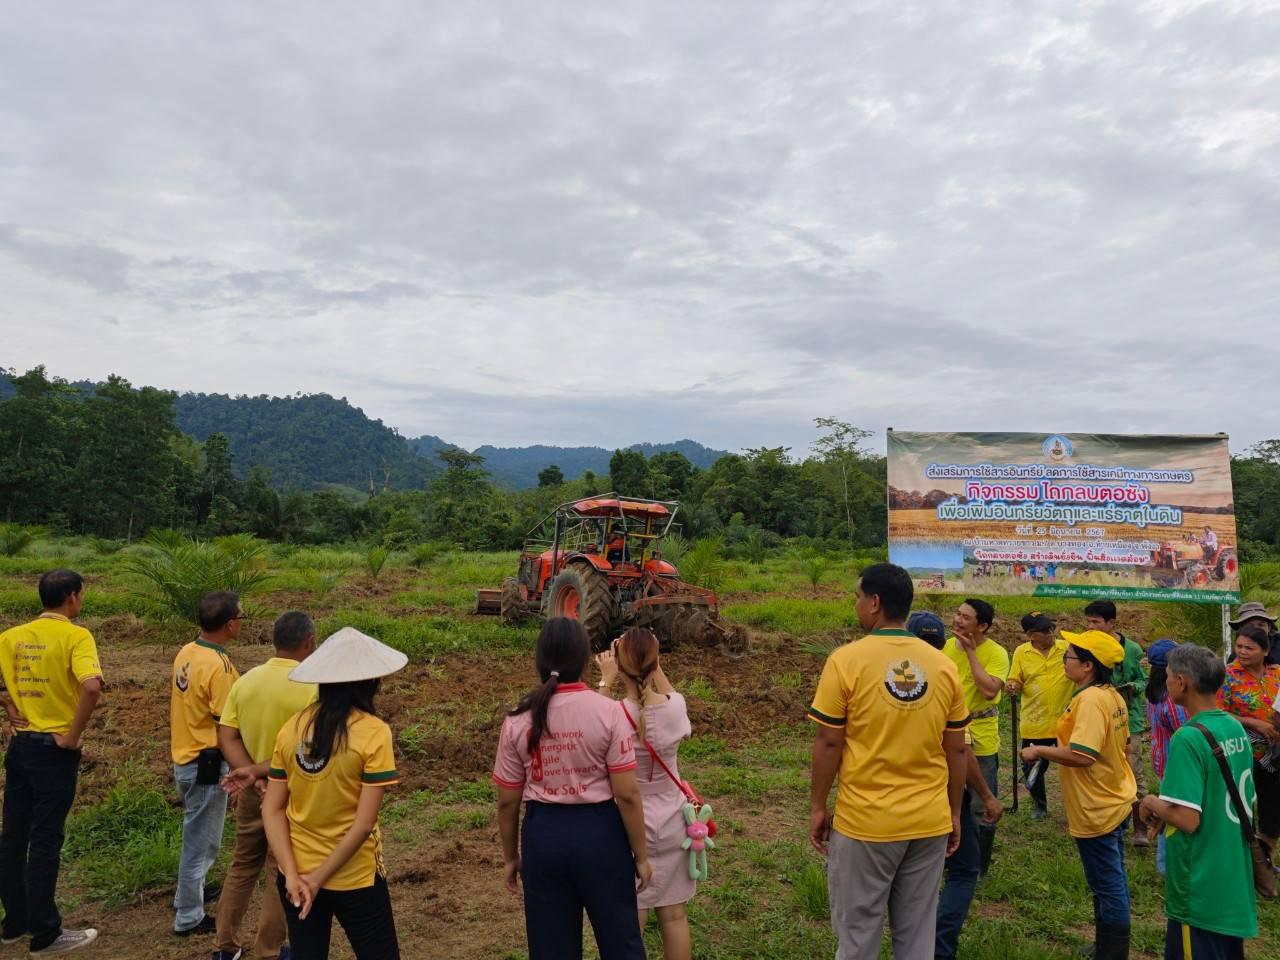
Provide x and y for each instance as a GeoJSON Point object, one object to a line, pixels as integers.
{"type": "Point", "coordinates": [907, 738]}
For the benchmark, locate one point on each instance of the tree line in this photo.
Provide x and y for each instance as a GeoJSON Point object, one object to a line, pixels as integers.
{"type": "Point", "coordinates": [112, 463]}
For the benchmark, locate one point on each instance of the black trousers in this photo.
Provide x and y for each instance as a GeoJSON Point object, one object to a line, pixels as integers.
{"type": "Point", "coordinates": [40, 786]}
{"type": "Point", "coordinates": [365, 915]}
{"type": "Point", "coordinates": [575, 856]}
{"type": "Point", "coordinates": [1267, 783]}
{"type": "Point", "coordinates": [1037, 789]}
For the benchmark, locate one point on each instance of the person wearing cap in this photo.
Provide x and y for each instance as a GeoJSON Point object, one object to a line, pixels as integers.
{"type": "Point", "coordinates": [1130, 681]}
{"type": "Point", "coordinates": [984, 668]}
{"type": "Point", "coordinates": [1164, 717]}
{"type": "Point", "coordinates": [330, 767]}
{"type": "Point", "coordinates": [202, 677]}
{"type": "Point", "coordinates": [962, 867]}
{"type": "Point", "coordinates": [51, 671]}
{"type": "Point", "coordinates": [1036, 674]}
{"type": "Point", "coordinates": [1251, 693]}
{"type": "Point", "coordinates": [1254, 614]}
{"type": "Point", "coordinates": [1210, 902]}
{"type": "Point", "coordinates": [258, 706]}
{"type": "Point", "coordinates": [1098, 786]}
{"type": "Point", "coordinates": [890, 716]}
{"type": "Point", "coordinates": [568, 754]}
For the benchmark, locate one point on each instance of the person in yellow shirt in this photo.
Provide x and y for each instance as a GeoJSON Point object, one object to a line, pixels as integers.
{"type": "Point", "coordinates": [891, 718]}
{"type": "Point", "coordinates": [1037, 675]}
{"type": "Point", "coordinates": [202, 678]}
{"type": "Point", "coordinates": [54, 682]}
{"type": "Point", "coordinates": [984, 667]}
{"type": "Point", "coordinates": [259, 705]}
{"type": "Point", "coordinates": [1098, 786]}
{"type": "Point", "coordinates": [331, 765]}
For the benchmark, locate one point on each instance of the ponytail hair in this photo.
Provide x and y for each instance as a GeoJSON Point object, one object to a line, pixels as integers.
{"type": "Point", "coordinates": [562, 654]}
{"type": "Point", "coordinates": [638, 659]}
{"type": "Point", "coordinates": [326, 729]}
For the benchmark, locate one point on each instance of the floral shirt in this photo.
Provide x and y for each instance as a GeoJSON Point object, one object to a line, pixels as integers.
{"type": "Point", "coordinates": [1244, 695]}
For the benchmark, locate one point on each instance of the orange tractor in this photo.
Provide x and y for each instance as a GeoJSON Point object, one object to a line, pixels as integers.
{"type": "Point", "coordinates": [1192, 563]}
{"type": "Point", "coordinates": [597, 560]}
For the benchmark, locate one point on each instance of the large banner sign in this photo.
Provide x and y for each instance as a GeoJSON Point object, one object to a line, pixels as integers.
{"type": "Point", "coordinates": [1078, 515]}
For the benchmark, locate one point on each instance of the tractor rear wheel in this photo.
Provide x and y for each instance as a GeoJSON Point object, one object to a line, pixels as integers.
{"type": "Point", "coordinates": [512, 608]}
{"type": "Point", "coordinates": [1227, 565]}
{"type": "Point", "coordinates": [582, 593]}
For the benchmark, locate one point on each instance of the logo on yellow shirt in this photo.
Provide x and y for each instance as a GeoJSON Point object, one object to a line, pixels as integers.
{"type": "Point", "coordinates": [303, 755]}
{"type": "Point", "coordinates": [184, 677]}
{"type": "Point", "coordinates": [906, 681]}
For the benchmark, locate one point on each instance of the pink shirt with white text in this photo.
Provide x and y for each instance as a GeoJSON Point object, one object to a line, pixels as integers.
{"type": "Point", "coordinates": [587, 738]}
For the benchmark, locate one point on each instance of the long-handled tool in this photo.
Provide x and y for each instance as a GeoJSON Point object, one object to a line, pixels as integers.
{"type": "Point", "coordinates": [1015, 769]}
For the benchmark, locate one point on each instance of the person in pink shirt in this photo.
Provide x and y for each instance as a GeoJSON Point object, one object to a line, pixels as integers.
{"type": "Point", "coordinates": [661, 721]}
{"type": "Point", "coordinates": [569, 754]}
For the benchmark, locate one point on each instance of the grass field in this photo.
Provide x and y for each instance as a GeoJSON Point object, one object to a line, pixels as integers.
{"type": "Point", "coordinates": [766, 899]}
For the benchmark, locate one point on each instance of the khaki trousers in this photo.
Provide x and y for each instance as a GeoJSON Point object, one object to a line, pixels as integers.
{"type": "Point", "coordinates": [251, 854]}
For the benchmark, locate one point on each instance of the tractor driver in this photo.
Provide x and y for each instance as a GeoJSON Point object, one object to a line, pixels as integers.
{"type": "Point", "coordinates": [616, 550]}
{"type": "Point", "coordinates": [1209, 543]}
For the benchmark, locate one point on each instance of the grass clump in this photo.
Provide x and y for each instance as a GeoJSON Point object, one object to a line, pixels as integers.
{"type": "Point", "coordinates": [128, 843]}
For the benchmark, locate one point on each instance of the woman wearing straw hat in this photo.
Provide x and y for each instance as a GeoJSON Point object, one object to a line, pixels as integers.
{"type": "Point", "coordinates": [1098, 786]}
{"type": "Point", "coordinates": [569, 754]}
{"type": "Point", "coordinates": [331, 765]}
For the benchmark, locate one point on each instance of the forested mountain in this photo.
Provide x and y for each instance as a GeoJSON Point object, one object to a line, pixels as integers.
{"type": "Point", "coordinates": [306, 441]}
{"type": "Point", "coordinates": [518, 467]}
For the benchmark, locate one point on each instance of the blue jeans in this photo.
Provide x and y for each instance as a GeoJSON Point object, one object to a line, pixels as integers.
{"type": "Point", "coordinates": [962, 879]}
{"type": "Point", "coordinates": [205, 815]}
{"type": "Point", "coordinates": [1103, 859]}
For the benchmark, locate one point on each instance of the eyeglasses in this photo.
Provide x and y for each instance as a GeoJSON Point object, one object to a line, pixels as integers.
{"type": "Point", "coordinates": [1067, 656]}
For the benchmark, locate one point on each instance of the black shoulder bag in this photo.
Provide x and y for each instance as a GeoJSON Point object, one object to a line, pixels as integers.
{"type": "Point", "coordinates": [1264, 875]}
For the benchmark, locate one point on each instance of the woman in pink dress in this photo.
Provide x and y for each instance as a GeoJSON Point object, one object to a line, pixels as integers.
{"type": "Point", "coordinates": [661, 720]}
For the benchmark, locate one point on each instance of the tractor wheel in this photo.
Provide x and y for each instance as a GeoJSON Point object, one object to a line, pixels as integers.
{"type": "Point", "coordinates": [1228, 565]}
{"type": "Point", "coordinates": [582, 593]}
{"type": "Point", "coordinates": [512, 608]}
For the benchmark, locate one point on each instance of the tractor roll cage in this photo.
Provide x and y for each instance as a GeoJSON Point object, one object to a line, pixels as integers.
{"type": "Point", "coordinates": [583, 524]}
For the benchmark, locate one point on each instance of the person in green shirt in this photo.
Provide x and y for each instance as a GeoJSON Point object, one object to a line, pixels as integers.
{"type": "Point", "coordinates": [1131, 682]}
{"type": "Point", "coordinates": [1209, 896]}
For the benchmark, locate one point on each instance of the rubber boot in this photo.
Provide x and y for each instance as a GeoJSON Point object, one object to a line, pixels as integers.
{"type": "Point", "coordinates": [986, 841]}
{"type": "Point", "coordinates": [1139, 829]}
{"type": "Point", "coordinates": [1113, 942]}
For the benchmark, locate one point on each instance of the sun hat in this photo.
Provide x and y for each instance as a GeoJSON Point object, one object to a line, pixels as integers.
{"type": "Point", "coordinates": [1247, 611]}
{"type": "Point", "coordinates": [928, 627]}
{"type": "Point", "coordinates": [1102, 645]}
{"type": "Point", "coordinates": [347, 656]}
{"type": "Point", "coordinates": [1158, 652]}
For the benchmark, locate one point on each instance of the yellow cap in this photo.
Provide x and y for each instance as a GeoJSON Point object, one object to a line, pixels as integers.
{"type": "Point", "coordinates": [1108, 650]}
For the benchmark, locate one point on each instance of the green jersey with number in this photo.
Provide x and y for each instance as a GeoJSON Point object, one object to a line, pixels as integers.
{"type": "Point", "coordinates": [1209, 874]}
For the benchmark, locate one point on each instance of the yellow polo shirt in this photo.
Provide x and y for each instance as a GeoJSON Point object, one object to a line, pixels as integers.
{"type": "Point", "coordinates": [1097, 797]}
{"type": "Point", "coordinates": [323, 795]}
{"type": "Point", "coordinates": [202, 678]}
{"type": "Point", "coordinates": [1046, 690]}
{"type": "Point", "coordinates": [261, 702]}
{"type": "Point", "coordinates": [895, 696]}
{"type": "Point", "coordinates": [44, 663]}
{"type": "Point", "coordinates": [986, 713]}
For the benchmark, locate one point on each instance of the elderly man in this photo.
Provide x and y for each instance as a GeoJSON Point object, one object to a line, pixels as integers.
{"type": "Point", "coordinates": [1254, 614]}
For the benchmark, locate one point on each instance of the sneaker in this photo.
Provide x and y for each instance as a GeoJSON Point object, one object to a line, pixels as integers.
{"type": "Point", "coordinates": [1039, 813]}
{"type": "Point", "coordinates": [67, 941]}
{"type": "Point", "coordinates": [8, 938]}
{"type": "Point", "coordinates": [212, 891]}
{"type": "Point", "coordinates": [207, 925]}
{"type": "Point", "coordinates": [227, 955]}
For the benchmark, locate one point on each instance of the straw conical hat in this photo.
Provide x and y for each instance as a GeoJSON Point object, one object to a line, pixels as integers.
{"type": "Point", "coordinates": [346, 656]}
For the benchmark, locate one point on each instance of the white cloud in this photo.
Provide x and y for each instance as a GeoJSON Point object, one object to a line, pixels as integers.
{"type": "Point", "coordinates": [647, 220]}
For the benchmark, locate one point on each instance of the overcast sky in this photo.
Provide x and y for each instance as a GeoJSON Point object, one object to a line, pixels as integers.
{"type": "Point", "coordinates": [600, 223]}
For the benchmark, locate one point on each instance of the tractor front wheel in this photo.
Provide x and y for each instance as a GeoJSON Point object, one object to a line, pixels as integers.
{"type": "Point", "coordinates": [582, 593]}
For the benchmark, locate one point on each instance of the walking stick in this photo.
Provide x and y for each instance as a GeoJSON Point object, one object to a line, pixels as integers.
{"type": "Point", "coordinates": [1016, 767]}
